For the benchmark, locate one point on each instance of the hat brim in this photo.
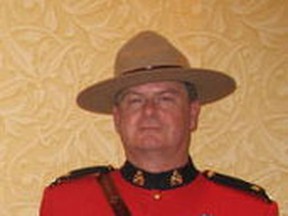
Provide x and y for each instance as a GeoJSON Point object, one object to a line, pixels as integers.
{"type": "Point", "coordinates": [211, 86]}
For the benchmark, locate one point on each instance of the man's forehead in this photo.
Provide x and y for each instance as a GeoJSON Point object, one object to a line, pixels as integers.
{"type": "Point", "coordinates": [153, 88]}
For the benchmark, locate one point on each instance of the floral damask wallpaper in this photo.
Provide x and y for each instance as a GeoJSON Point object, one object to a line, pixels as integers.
{"type": "Point", "coordinates": [50, 49]}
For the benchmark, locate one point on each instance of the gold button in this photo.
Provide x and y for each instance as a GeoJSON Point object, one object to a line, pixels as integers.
{"type": "Point", "coordinates": [157, 196]}
{"type": "Point", "coordinates": [210, 174]}
{"type": "Point", "coordinates": [255, 188]}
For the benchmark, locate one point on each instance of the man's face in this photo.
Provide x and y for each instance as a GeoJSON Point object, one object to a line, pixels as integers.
{"type": "Point", "coordinates": [155, 116]}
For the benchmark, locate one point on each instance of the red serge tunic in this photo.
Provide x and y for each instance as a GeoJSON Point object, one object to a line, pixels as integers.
{"type": "Point", "coordinates": [200, 197]}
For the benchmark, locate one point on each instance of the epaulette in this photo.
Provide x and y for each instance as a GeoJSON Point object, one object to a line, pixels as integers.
{"type": "Point", "coordinates": [237, 183]}
{"type": "Point", "coordinates": [78, 173]}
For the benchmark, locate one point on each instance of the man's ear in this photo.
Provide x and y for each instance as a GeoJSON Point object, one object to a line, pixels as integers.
{"type": "Point", "coordinates": [194, 114]}
{"type": "Point", "coordinates": [116, 118]}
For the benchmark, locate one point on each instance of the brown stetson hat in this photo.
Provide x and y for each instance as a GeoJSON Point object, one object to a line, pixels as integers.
{"type": "Point", "coordinates": [149, 57]}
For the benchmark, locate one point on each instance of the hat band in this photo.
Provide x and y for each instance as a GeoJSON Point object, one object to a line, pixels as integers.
{"type": "Point", "coordinates": [150, 67]}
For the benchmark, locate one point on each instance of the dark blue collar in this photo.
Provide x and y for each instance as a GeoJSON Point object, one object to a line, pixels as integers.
{"type": "Point", "coordinates": [159, 181]}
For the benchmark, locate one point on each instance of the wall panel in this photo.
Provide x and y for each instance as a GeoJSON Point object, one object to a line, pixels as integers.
{"type": "Point", "coordinates": [49, 50]}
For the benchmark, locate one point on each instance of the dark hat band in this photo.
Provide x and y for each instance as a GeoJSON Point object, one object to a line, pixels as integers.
{"type": "Point", "coordinates": [150, 67]}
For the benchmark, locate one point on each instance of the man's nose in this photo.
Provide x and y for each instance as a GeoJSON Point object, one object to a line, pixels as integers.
{"type": "Point", "coordinates": [150, 107]}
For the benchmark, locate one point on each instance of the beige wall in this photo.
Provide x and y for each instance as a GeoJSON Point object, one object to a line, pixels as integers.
{"type": "Point", "coordinates": [50, 49]}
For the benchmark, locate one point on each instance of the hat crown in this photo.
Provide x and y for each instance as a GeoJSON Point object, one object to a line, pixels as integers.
{"type": "Point", "coordinates": [145, 50]}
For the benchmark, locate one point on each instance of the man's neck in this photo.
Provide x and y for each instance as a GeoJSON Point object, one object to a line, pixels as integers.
{"type": "Point", "coordinates": [156, 163]}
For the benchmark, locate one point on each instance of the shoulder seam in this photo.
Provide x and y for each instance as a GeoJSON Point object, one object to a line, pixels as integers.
{"type": "Point", "coordinates": [239, 184]}
{"type": "Point", "coordinates": [82, 172]}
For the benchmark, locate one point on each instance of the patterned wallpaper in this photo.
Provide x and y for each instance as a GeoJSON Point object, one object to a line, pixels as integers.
{"type": "Point", "coordinates": [50, 49]}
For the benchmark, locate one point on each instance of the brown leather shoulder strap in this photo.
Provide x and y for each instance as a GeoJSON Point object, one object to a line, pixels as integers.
{"type": "Point", "coordinates": [112, 195]}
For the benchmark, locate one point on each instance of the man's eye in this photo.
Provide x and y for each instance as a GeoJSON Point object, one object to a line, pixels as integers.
{"type": "Point", "coordinates": [167, 98]}
{"type": "Point", "coordinates": [134, 100]}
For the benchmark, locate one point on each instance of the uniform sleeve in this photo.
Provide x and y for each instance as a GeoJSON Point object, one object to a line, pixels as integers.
{"type": "Point", "coordinates": [273, 210]}
{"type": "Point", "coordinates": [46, 204]}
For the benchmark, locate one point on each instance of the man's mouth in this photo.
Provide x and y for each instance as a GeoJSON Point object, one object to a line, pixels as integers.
{"type": "Point", "coordinates": [150, 127]}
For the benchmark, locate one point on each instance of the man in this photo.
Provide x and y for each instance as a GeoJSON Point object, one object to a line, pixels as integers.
{"type": "Point", "coordinates": [155, 101]}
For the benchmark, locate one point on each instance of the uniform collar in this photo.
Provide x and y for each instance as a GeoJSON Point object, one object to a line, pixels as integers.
{"type": "Point", "coordinates": [159, 181]}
